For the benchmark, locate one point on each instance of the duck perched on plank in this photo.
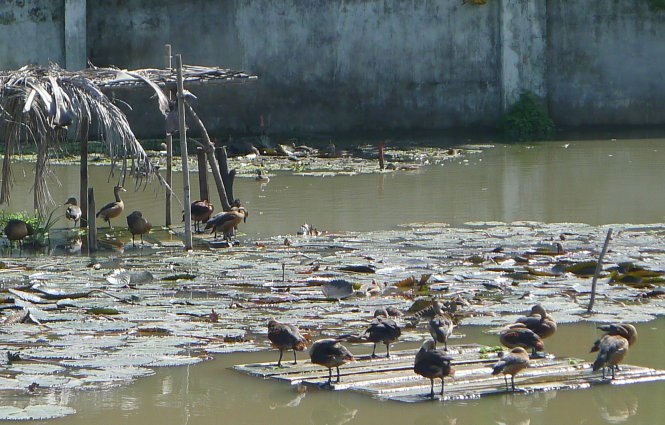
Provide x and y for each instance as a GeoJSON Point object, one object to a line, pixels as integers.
{"type": "Point", "coordinates": [432, 363]}
{"type": "Point", "coordinates": [382, 329]}
{"type": "Point", "coordinates": [539, 321]}
{"type": "Point", "coordinates": [440, 326]}
{"type": "Point", "coordinates": [284, 336]}
{"type": "Point", "coordinates": [511, 364]}
{"type": "Point", "coordinates": [613, 346]}
{"type": "Point", "coordinates": [112, 209]}
{"type": "Point", "coordinates": [330, 353]}
{"type": "Point", "coordinates": [518, 335]}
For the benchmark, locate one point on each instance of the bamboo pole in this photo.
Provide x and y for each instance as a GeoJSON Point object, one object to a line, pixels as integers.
{"type": "Point", "coordinates": [203, 174]}
{"type": "Point", "coordinates": [92, 224]}
{"type": "Point", "coordinates": [83, 190]}
{"type": "Point", "coordinates": [599, 266]}
{"type": "Point", "coordinates": [169, 149]}
{"type": "Point", "coordinates": [183, 154]}
{"type": "Point", "coordinates": [381, 157]}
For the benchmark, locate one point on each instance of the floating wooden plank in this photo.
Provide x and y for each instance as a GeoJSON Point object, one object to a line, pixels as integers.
{"type": "Point", "coordinates": [393, 378]}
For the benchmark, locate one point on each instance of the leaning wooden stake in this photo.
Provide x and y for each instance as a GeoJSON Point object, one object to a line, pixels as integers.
{"type": "Point", "coordinates": [169, 148]}
{"type": "Point", "coordinates": [92, 223]}
{"type": "Point", "coordinates": [83, 190]}
{"type": "Point", "coordinates": [209, 149]}
{"type": "Point", "coordinates": [183, 154]}
{"type": "Point", "coordinates": [599, 266]}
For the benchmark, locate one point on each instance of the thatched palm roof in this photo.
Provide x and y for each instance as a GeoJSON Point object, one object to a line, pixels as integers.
{"type": "Point", "coordinates": [40, 104]}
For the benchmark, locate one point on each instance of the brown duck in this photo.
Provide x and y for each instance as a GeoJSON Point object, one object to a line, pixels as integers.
{"type": "Point", "coordinates": [284, 336]}
{"type": "Point", "coordinates": [613, 346]}
{"type": "Point", "coordinates": [112, 209]}
{"type": "Point", "coordinates": [227, 222]}
{"type": "Point", "coordinates": [73, 211]}
{"type": "Point", "coordinates": [432, 363]}
{"type": "Point", "coordinates": [17, 230]}
{"type": "Point", "coordinates": [138, 225]}
{"type": "Point", "coordinates": [539, 322]}
{"type": "Point", "coordinates": [511, 364]}
{"type": "Point", "coordinates": [440, 326]}
{"type": "Point", "coordinates": [201, 212]}
{"type": "Point", "coordinates": [518, 335]}
{"type": "Point", "coordinates": [382, 329]}
{"type": "Point", "coordinates": [330, 353]}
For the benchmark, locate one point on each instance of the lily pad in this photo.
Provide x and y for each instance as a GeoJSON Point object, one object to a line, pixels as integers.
{"type": "Point", "coordinates": [35, 412]}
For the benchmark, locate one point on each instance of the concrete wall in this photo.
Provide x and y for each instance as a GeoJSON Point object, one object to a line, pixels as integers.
{"type": "Point", "coordinates": [376, 65]}
{"type": "Point", "coordinates": [31, 31]}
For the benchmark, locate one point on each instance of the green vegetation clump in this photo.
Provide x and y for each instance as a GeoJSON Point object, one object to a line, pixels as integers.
{"type": "Point", "coordinates": [40, 224]}
{"type": "Point", "coordinates": [526, 120]}
{"type": "Point", "coordinates": [656, 5]}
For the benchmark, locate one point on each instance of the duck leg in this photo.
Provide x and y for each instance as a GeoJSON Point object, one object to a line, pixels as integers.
{"type": "Point", "coordinates": [431, 386]}
{"type": "Point", "coordinates": [442, 387]}
{"type": "Point", "coordinates": [387, 351]}
{"type": "Point", "coordinates": [337, 374]}
{"type": "Point", "coordinates": [329, 376]}
{"type": "Point", "coordinates": [279, 362]}
{"type": "Point", "coordinates": [512, 381]}
{"type": "Point", "coordinates": [295, 360]}
{"type": "Point", "coordinates": [374, 351]}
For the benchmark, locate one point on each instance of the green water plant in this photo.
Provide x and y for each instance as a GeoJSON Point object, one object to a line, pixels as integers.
{"type": "Point", "coordinates": [526, 120]}
{"type": "Point", "coordinates": [41, 224]}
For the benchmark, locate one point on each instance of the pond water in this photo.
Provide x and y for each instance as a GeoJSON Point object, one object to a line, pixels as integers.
{"type": "Point", "coordinates": [594, 182]}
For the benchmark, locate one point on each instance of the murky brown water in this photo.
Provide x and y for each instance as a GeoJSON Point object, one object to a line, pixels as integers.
{"type": "Point", "coordinates": [591, 182]}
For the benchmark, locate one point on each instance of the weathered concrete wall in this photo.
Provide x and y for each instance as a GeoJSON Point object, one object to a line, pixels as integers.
{"type": "Point", "coordinates": [606, 62]}
{"type": "Point", "coordinates": [323, 65]}
{"type": "Point", "coordinates": [354, 65]}
{"type": "Point", "coordinates": [31, 31]}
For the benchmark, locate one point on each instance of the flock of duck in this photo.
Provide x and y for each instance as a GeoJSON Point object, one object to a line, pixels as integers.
{"type": "Point", "coordinates": [201, 212]}
{"type": "Point", "coordinates": [527, 333]}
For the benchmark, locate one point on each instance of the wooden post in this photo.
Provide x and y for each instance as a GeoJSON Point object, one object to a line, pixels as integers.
{"type": "Point", "coordinates": [182, 129]}
{"type": "Point", "coordinates": [599, 266]}
{"type": "Point", "coordinates": [83, 191]}
{"type": "Point", "coordinates": [169, 148]}
{"type": "Point", "coordinates": [203, 174]}
{"type": "Point", "coordinates": [227, 176]}
{"type": "Point", "coordinates": [92, 224]}
{"type": "Point", "coordinates": [381, 158]}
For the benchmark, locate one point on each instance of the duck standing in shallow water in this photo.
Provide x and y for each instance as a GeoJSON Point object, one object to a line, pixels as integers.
{"type": "Point", "coordinates": [201, 212]}
{"type": "Point", "coordinates": [382, 329]}
{"type": "Point", "coordinates": [112, 209]}
{"type": "Point", "coordinates": [73, 211]}
{"type": "Point", "coordinates": [330, 353]}
{"type": "Point", "coordinates": [432, 363]}
{"type": "Point", "coordinates": [511, 364]}
{"type": "Point", "coordinates": [138, 225]}
{"type": "Point", "coordinates": [440, 326]}
{"type": "Point", "coordinates": [518, 335]}
{"type": "Point", "coordinates": [284, 336]}
{"type": "Point", "coordinates": [17, 230]}
{"type": "Point", "coordinates": [227, 222]}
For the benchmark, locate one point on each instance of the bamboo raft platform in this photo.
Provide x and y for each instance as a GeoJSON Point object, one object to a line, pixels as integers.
{"type": "Point", "coordinates": [394, 379]}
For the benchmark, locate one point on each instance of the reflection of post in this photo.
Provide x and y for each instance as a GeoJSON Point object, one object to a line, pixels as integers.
{"type": "Point", "coordinates": [169, 147]}
{"type": "Point", "coordinates": [92, 225]}
{"type": "Point", "coordinates": [203, 174]}
{"type": "Point", "coordinates": [83, 191]}
{"type": "Point", "coordinates": [183, 154]}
